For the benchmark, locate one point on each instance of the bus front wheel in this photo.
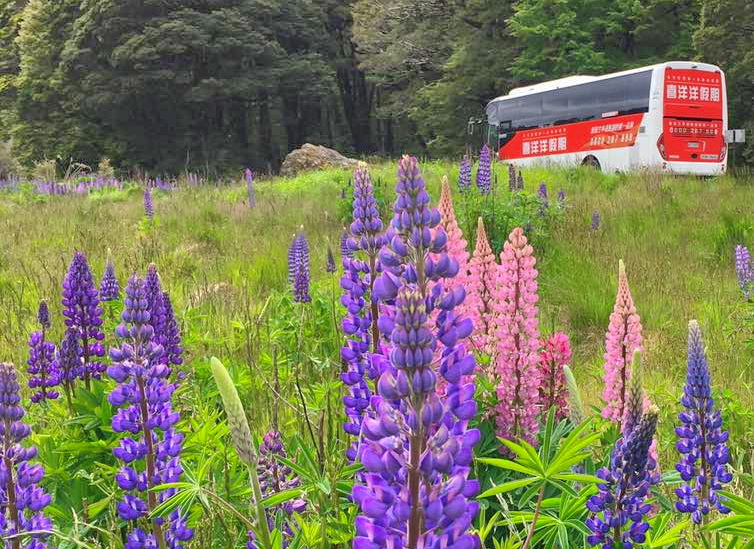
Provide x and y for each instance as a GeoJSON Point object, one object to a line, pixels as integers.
{"type": "Point", "coordinates": [591, 162]}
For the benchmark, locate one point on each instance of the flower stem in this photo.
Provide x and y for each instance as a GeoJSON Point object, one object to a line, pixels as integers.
{"type": "Point", "coordinates": [537, 511]}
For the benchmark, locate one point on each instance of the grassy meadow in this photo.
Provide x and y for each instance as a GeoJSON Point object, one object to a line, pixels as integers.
{"type": "Point", "coordinates": [225, 266]}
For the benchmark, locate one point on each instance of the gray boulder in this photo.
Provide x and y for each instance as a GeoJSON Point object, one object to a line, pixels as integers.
{"type": "Point", "coordinates": [314, 157]}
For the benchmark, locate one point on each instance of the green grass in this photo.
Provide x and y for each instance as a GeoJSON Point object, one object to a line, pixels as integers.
{"type": "Point", "coordinates": [225, 267]}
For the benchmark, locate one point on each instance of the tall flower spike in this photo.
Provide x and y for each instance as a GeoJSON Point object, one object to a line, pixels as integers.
{"type": "Point", "coordinates": [345, 251]}
{"type": "Point", "coordinates": [148, 204]}
{"type": "Point", "coordinates": [42, 363]}
{"type": "Point", "coordinates": [484, 171]}
{"type": "Point", "coordinates": [561, 199]}
{"type": "Point", "coordinates": [520, 181]}
{"type": "Point", "coordinates": [22, 500]}
{"type": "Point", "coordinates": [482, 278]}
{"type": "Point", "coordinates": [109, 287]}
{"type": "Point", "coordinates": [83, 314]}
{"type": "Point", "coordinates": [702, 442]}
{"type": "Point", "coordinates": [744, 271]}
{"type": "Point", "coordinates": [464, 174]}
{"type": "Point", "coordinates": [415, 490]}
{"type": "Point", "coordinates": [150, 445]}
{"type": "Point", "coordinates": [622, 496]}
{"type": "Point", "coordinates": [171, 337]}
{"type": "Point", "coordinates": [330, 263]}
{"type": "Point", "coordinates": [554, 356]}
{"type": "Point", "coordinates": [512, 184]}
{"type": "Point", "coordinates": [634, 400]}
{"type": "Point", "coordinates": [623, 338]}
{"type": "Point", "coordinates": [155, 304]}
{"type": "Point", "coordinates": [516, 357]}
{"type": "Point", "coordinates": [596, 220]}
{"type": "Point", "coordinates": [456, 246]}
{"type": "Point", "coordinates": [250, 195]}
{"type": "Point", "coordinates": [298, 268]}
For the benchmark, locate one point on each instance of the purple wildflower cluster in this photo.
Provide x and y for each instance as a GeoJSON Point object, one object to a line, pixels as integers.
{"type": "Point", "coordinates": [43, 370]}
{"type": "Point", "coordinates": [464, 174]}
{"type": "Point", "coordinates": [298, 268]}
{"type": "Point", "coordinates": [701, 439]}
{"type": "Point", "coordinates": [150, 446]}
{"type": "Point", "coordinates": [484, 170]}
{"type": "Point", "coordinates": [21, 499]}
{"type": "Point", "coordinates": [561, 199]}
{"type": "Point", "coordinates": [417, 449]}
{"type": "Point", "coordinates": [744, 271]}
{"type": "Point", "coordinates": [250, 195]}
{"type": "Point", "coordinates": [148, 204]}
{"type": "Point", "coordinates": [622, 496]}
{"type": "Point", "coordinates": [83, 315]}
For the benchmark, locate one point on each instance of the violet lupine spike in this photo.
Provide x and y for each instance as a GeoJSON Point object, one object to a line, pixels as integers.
{"type": "Point", "coordinates": [553, 391]}
{"type": "Point", "coordinates": [744, 271]}
{"type": "Point", "coordinates": [250, 194]}
{"type": "Point", "coordinates": [596, 220]}
{"type": "Point", "coordinates": [408, 422]}
{"type": "Point", "coordinates": [542, 193]}
{"type": "Point", "coordinates": [561, 199]}
{"type": "Point", "coordinates": [69, 361]}
{"type": "Point", "coordinates": [634, 400]}
{"type": "Point", "coordinates": [355, 353]}
{"type": "Point", "coordinates": [148, 204]}
{"type": "Point", "coordinates": [345, 250]}
{"type": "Point", "coordinates": [83, 313]}
{"type": "Point", "coordinates": [298, 269]}
{"type": "Point", "coordinates": [512, 185]}
{"type": "Point", "coordinates": [22, 500]}
{"type": "Point", "coordinates": [366, 228]}
{"type": "Point", "coordinates": [330, 266]}
{"type": "Point", "coordinates": [702, 441]}
{"type": "Point", "coordinates": [484, 171]}
{"type": "Point", "coordinates": [516, 359]}
{"type": "Point", "coordinates": [171, 337]}
{"type": "Point", "coordinates": [149, 446]}
{"type": "Point", "coordinates": [109, 287]}
{"type": "Point", "coordinates": [464, 175]}
{"type": "Point", "coordinates": [42, 364]}
{"type": "Point", "coordinates": [620, 507]}
{"type": "Point", "coordinates": [155, 302]}
{"type": "Point", "coordinates": [622, 340]}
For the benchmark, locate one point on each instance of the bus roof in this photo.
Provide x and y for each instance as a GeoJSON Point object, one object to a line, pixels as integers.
{"type": "Point", "coordinates": [576, 80]}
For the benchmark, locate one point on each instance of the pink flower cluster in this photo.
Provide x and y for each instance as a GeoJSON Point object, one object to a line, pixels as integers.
{"type": "Point", "coordinates": [622, 339]}
{"type": "Point", "coordinates": [479, 289]}
{"type": "Point", "coordinates": [553, 392]}
{"type": "Point", "coordinates": [516, 357]}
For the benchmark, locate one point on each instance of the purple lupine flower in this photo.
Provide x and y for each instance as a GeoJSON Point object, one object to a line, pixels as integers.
{"type": "Point", "coordinates": [542, 193]}
{"type": "Point", "coordinates": [155, 303]}
{"type": "Point", "coordinates": [410, 421]}
{"type": "Point", "coordinates": [249, 176]}
{"type": "Point", "coordinates": [744, 271]}
{"type": "Point", "coordinates": [22, 500]}
{"type": "Point", "coordinates": [148, 204]}
{"type": "Point", "coordinates": [83, 313]}
{"type": "Point", "coordinates": [150, 445]}
{"type": "Point", "coordinates": [109, 288]}
{"type": "Point", "coordinates": [355, 353]}
{"type": "Point", "coordinates": [171, 338]}
{"type": "Point", "coordinates": [622, 496]}
{"type": "Point", "coordinates": [330, 263]}
{"type": "Point", "coordinates": [512, 185]}
{"type": "Point", "coordinates": [43, 367]}
{"type": "Point", "coordinates": [484, 170]}
{"type": "Point", "coordinates": [701, 439]}
{"type": "Point", "coordinates": [69, 361]}
{"type": "Point", "coordinates": [520, 181]}
{"type": "Point", "coordinates": [464, 174]}
{"type": "Point", "coordinates": [596, 220]}
{"type": "Point", "coordinates": [345, 251]}
{"type": "Point", "coordinates": [367, 227]}
{"type": "Point", "coordinates": [298, 268]}
{"type": "Point", "coordinates": [561, 199]}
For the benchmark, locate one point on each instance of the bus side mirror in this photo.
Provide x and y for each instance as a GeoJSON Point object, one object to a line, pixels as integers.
{"type": "Point", "coordinates": [735, 136]}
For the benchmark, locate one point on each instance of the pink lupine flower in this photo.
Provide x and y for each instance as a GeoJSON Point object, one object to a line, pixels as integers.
{"type": "Point", "coordinates": [516, 357]}
{"type": "Point", "coordinates": [622, 339]}
{"type": "Point", "coordinates": [555, 353]}
{"type": "Point", "coordinates": [479, 286]}
{"type": "Point", "coordinates": [457, 247]}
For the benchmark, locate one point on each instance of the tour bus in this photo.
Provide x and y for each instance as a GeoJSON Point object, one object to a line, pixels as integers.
{"type": "Point", "coordinates": [671, 117]}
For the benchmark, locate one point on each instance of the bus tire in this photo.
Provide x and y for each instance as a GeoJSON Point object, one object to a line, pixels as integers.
{"type": "Point", "coordinates": [591, 162]}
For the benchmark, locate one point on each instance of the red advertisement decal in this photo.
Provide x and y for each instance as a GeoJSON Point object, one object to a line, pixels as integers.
{"type": "Point", "coordinates": [693, 93]}
{"type": "Point", "coordinates": [607, 133]}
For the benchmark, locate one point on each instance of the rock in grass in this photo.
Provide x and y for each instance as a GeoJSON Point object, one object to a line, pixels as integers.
{"type": "Point", "coordinates": [314, 157]}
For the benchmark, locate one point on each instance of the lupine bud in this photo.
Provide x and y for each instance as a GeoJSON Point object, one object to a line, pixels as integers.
{"type": "Point", "coordinates": [702, 442]}
{"type": "Point", "coordinates": [84, 315]}
{"type": "Point", "coordinates": [148, 204]}
{"type": "Point", "coordinates": [484, 171]}
{"type": "Point", "coordinates": [22, 500]}
{"type": "Point", "coordinates": [43, 315]}
{"type": "Point", "coordinates": [623, 338]}
{"type": "Point", "coordinates": [561, 199]}
{"type": "Point", "coordinates": [554, 355]}
{"type": "Point", "coordinates": [239, 425]}
{"type": "Point", "coordinates": [298, 268]}
{"type": "Point", "coordinates": [516, 359]}
{"type": "Point", "coordinates": [512, 184]}
{"type": "Point", "coordinates": [367, 227]}
{"type": "Point", "coordinates": [464, 174]}
{"type": "Point", "coordinates": [596, 219]}
{"type": "Point", "coordinates": [150, 448]}
{"type": "Point", "coordinates": [109, 287]}
{"type": "Point", "coordinates": [622, 496]}
{"type": "Point", "coordinates": [330, 265]}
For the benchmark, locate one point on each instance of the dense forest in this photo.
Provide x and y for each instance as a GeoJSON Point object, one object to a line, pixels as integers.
{"type": "Point", "coordinates": [173, 85]}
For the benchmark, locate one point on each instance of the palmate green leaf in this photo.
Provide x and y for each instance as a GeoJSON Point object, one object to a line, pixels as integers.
{"type": "Point", "coordinates": [281, 497]}
{"type": "Point", "coordinates": [575, 477]}
{"type": "Point", "coordinates": [660, 536]}
{"type": "Point", "coordinates": [509, 465]}
{"type": "Point", "coordinates": [527, 456]}
{"type": "Point", "coordinates": [507, 487]}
